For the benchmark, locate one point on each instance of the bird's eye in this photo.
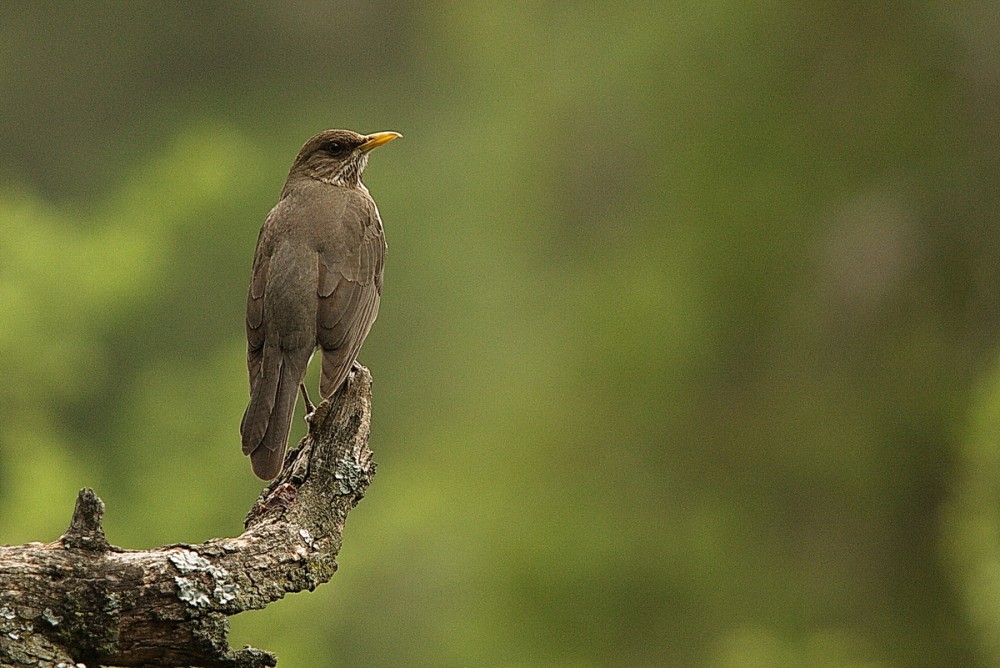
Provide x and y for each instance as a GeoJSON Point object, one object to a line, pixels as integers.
{"type": "Point", "coordinates": [334, 147]}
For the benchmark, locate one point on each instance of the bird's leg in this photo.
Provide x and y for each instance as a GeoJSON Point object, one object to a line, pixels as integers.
{"type": "Point", "coordinates": [310, 408]}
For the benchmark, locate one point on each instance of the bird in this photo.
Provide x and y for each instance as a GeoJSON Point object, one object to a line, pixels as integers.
{"type": "Point", "coordinates": [315, 285]}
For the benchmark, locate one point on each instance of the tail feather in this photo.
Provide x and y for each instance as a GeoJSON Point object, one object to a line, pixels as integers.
{"type": "Point", "coordinates": [268, 417]}
{"type": "Point", "coordinates": [263, 391]}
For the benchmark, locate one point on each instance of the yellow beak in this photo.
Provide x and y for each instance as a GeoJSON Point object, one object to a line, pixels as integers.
{"type": "Point", "coordinates": [376, 139]}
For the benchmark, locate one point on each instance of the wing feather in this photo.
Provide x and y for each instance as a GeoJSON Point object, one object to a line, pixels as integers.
{"type": "Point", "coordinates": [349, 289]}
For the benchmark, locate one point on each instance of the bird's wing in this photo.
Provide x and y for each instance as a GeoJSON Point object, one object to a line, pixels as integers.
{"type": "Point", "coordinates": [350, 286]}
{"type": "Point", "coordinates": [255, 303]}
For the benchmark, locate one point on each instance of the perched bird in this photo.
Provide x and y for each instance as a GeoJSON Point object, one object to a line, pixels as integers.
{"type": "Point", "coordinates": [316, 283]}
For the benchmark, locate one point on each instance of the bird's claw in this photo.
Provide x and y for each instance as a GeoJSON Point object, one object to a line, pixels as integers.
{"type": "Point", "coordinates": [310, 407]}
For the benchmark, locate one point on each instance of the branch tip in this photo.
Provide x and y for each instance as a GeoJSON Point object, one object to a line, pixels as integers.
{"type": "Point", "coordinates": [86, 531]}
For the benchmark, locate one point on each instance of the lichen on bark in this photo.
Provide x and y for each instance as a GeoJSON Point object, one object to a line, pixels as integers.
{"type": "Point", "coordinates": [80, 600]}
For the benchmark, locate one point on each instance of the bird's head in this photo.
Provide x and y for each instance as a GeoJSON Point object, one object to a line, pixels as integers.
{"type": "Point", "coordinates": [339, 157]}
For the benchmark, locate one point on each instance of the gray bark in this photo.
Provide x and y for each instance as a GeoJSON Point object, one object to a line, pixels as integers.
{"type": "Point", "coordinates": [80, 600]}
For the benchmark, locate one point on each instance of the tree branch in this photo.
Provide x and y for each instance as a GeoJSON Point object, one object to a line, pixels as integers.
{"type": "Point", "coordinates": [81, 600]}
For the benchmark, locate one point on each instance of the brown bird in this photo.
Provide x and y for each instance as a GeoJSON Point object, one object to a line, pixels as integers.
{"type": "Point", "coordinates": [316, 283]}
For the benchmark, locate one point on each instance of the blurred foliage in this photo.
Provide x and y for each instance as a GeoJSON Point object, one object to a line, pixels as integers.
{"type": "Point", "coordinates": [687, 351]}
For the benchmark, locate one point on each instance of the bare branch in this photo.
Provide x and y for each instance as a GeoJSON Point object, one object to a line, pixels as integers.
{"type": "Point", "coordinates": [82, 600]}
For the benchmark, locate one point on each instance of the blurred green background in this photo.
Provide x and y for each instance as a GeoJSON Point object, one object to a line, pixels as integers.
{"type": "Point", "coordinates": [687, 353]}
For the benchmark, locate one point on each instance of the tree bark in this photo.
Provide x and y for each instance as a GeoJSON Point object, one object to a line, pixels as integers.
{"type": "Point", "coordinates": [80, 600]}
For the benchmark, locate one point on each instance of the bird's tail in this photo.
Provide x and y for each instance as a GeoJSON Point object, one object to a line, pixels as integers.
{"type": "Point", "coordinates": [268, 417]}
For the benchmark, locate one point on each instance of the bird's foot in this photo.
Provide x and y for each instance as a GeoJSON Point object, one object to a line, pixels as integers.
{"type": "Point", "coordinates": [310, 407]}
